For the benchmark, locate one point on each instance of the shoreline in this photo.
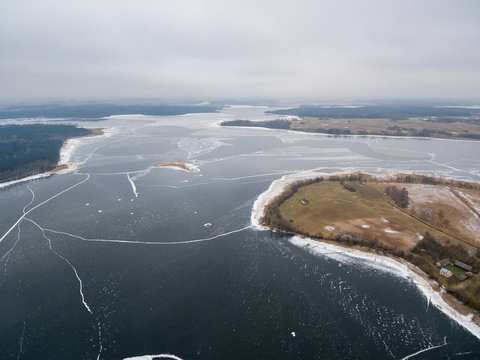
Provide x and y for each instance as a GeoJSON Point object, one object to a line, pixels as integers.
{"type": "Point", "coordinates": [69, 145]}
{"type": "Point", "coordinates": [219, 123]}
{"type": "Point", "coordinates": [63, 165]}
{"type": "Point", "coordinates": [446, 303]}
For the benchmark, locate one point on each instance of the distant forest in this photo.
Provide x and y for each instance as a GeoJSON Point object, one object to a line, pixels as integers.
{"type": "Point", "coordinates": [393, 112]}
{"type": "Point", "coordinates": [96, 111]}
{"type": "Point", "coordinates": [272, 124]}
{"type": "Point", "coordinates": [30, 149]}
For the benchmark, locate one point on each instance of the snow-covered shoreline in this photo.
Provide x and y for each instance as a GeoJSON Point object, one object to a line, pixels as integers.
{"type": "Point", "coordinates": [70, 145]}
{"type": "Point", "coordinates": [397, 267]}
{"type": "Point", "coordinates": [28, 178]}
{"type": "Point", "coordinates": [218, 124]}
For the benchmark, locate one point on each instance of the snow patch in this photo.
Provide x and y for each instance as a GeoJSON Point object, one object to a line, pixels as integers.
{"type": "Point", "coordinates": [153, 357]}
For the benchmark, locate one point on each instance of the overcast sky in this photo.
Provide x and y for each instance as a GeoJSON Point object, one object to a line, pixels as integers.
{"type": "Point", "coordinates": [109, 49]}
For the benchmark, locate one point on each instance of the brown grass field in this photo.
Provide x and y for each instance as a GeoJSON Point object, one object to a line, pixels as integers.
{"type": "Point", "coordinates": [388, 127]}
{"type": "Point", "coordinates": [369, 212]}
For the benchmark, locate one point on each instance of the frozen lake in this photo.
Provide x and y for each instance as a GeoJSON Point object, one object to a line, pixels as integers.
{"type": "Point", "coordinates": [117, 259]}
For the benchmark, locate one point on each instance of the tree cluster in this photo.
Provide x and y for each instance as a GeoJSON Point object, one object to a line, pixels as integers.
{"type": "Point", "coordinates": [434, 180]}
{"type": "Point", "coordinates": [430, 248]}
{"type": "Point", "coordinates": [399, 196]}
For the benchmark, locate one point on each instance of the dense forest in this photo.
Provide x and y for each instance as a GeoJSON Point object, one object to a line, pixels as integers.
{"type": "Point", "coordinates": [394, 112]}
{"type": "Point", "coordinates": [30, 149]}
{"type": "Point", "coordinates": [272, 124]}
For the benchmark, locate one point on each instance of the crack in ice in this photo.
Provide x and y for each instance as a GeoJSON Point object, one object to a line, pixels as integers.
{"type": "Point", "coordinates": [427, 349]}
{"type": "Point", "coordinates": [8, 256]}
{"type": "Point", "coordinates": [99, 341]}
{"type": "Point", "coordinates": [42, 203]}
{"type": "Point", "coordinates": [147, 242]}
{"type": "Point", "coordinates": [11, 249]}
{"type": "Point", "coordinates": [20, 349]}
{"type": "Point", "coordinates": [134, 188]}
{"type": "Point", "coordinates": [18, 235]}
{"type": "Point", "coordinates": [67, 261]}
{"type": "Point", "coordinates": [5, 270]}
{"type": "Point", "coordinates": [388, 349]}
{"type": "Point", "coordinates": [31, 201]}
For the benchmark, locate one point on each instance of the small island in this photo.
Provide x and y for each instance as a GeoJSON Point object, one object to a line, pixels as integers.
{"type": "Point", "coordinates": [179, 165]}
{"type": "Point", "coordinates": [432, 223]}
{"type": "Point", "coordinates": [27, 150]}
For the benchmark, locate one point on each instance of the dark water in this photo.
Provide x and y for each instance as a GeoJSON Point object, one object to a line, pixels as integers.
{"type": "Point", "coordinates": [156, 280]}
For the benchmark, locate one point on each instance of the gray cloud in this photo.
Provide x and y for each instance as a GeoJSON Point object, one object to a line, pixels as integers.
{"type": "Point", "coordinates": [322, 49]}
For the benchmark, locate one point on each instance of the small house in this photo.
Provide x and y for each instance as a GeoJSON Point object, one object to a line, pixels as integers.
{"type": "Point", "coordinates": [463, 266]}
{"type": "Point", "coordinates": [445, 272]}
{"type": "Point", "coordinates": [462, 277]}
{"type": "Point", "coordinates": [443, 262]}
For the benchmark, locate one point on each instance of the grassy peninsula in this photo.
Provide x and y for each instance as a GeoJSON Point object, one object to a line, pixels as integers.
{"type": "Point", "coordinates": [421, 219]}
{"type": "Point", "coordinates": [31, 149]}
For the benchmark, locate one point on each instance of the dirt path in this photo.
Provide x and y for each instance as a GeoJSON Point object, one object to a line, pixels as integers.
{"type": "Point", "coordinates": [465, 201]}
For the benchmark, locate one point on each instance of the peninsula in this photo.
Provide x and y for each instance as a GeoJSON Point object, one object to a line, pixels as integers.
{"type": "Point", "coordinates": [387, 120]}
{"type": "Point", "coordinates": [432, 223]}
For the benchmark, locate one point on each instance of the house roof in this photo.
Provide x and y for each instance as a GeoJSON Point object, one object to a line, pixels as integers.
{"type": "Point", "coordinates": [444, 261]}
{"type": "Point", "coordinates": [463, 266]}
